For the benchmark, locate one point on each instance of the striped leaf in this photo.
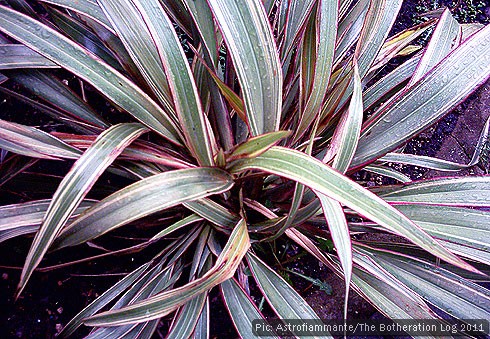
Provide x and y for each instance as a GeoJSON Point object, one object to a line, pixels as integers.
{"type": "Point", "coordinates": [300, 167]}
{"type": "Point", "coordinates": [134, 33]}
{"type": "Point", "coordinates": [102, 301]}
{"type": "Point", "coordinates": [88, 8]}
{"type": "Point", "coordinates": [197, 131]}
{"type": "Point", "coordinates": [467, 191]}
{"type": "Point", "coordinates": [252, 48]}
{"type": "Point", "coordinates": [284, 300]}
{"type": "Point", "coordinates": [346, 136]}
{"type": "Point", "coordinates": [33, 142]}
{"type": "Point", "coordinates": [296, 18]}
{"type": "Point", "coordinates": [464, 226]}
{"type": "Point", "coordinates": [82, 63]}
{"type": "Point", "coordinates": [379, 19]}
{"type": "Point", "coordinates": [19, 56]}
{"type": "Point", "coordinates": [428, 100]}
{"type": "Point", "coordinates": [446, 290]}
{"type": "Point", "coordinates": [241, 308]}
{"type": "Point", "coordinates": [325, 37]}
{"type": "Point", "coordinates": [167, 302]}
{"type": "Point", "coordinates": [143, 198]}
{"type": "Point", "coordinates": [73, 188]}
{"type": "Point", "coordinates": [445, 37]}
{"type": "Point", "coordinates": [49, 88]}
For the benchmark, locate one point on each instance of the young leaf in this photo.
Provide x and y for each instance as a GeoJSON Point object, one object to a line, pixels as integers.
{"type": "Point", "coordinates": [257, 145]}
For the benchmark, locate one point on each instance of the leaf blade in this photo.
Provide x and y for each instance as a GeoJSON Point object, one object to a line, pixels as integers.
{"type": "Point", "coordinates": [82, 63]}
{"type": "Point", "coordinates": [143, 198]}
{"type": "Point", "coordinates": [73, 188]}
{"type": "Point", "coordinates": [312, 173]}
{"type": "Point", "coordinates": [166, 302]}
{"type": "Point", "coordinates": [250, 41]}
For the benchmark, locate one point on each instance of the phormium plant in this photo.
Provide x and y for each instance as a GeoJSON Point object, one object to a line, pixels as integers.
{"type": "Point", "coordinates": [254, 136]}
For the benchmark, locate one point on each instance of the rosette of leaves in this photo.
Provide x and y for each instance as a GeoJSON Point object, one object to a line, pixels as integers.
{"type": "Point", "coordinates": [255, 136]}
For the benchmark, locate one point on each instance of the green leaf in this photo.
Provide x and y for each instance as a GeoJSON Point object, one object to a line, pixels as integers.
{"type": "Point", "coordinates": [388, 172]}
{"type": "Point", "coordinates": [167, 302]}
{"type": "Point", "coordinates": [257, 145]}
{"type": "Point", "coordinates": [241, 308]}
{"type": "Point", "coordinates": [73, 188]}
{"type": "Point", "coordinates": [187, 318]}
{"type": "Point", "coordinates": [322, 285]}
{"type": "Point", "coordinates": [391, 297]}
{"type": "Point", "coordinates": [102, 300]}
{"type": "Point", "coordinates": [396, 302]}
{"type": "Point", "coordinates": [139, 41]}
{"type": "Point", "coordinates": [253, 50]}
{"type": "Point", "coordinates": [49, 88]}
{"type": "Point", "coordinates": [152, 282]}
{"type": "Point", "coordinates": [445, 37]}
{"type": "Point", "coordinates": [464, 226]}
{"type": "Point", "coordinates": [233, 99]}
{"type": "Point", "coordinates": [428, 100]}
{"type": "Point", "coordinates": [33, 142]}
{"type": "Point", "coordinates": [346, 136]}
{"type": "Point", "coordinates": [202, 327]}
{"type": "Point", "coordinates": [380, 17]}
{"type": "Point", "coordinates": [84, 36]}
{"type": "Point", "coordinates": [298, 13]}
{"type": "Point", "coordinates": [284, 300]}
{"type": "Point", "coordinates": [349, 28]}
{"type": "Point", "coordinates": [300, 167]}
{"type": "Point", "coordinates": [439, 164]}
{"type": "Point", "coordinates": [143, 198]}
{"type": "Point", "coordinates": [197, 131]}
{"type": "Point", "coordinates": [82, 63]}
{"type": "Point", "coordinates": [213, 212]}
{"type": "Point", "coordinates": [399, 44]}
{"type": "Point", "coordinates": [203, 19]}
{"type": "Point", "coordinates": [467, 191]}
{"type": "Point", "coordinates": [19, 56]}
{"type": "Point", "coordinates": [178, 225]}
{"type": "Point", "coordinates": [88, 8]}
{"type": "Point", "coordinates": [31, 213]}
{"type": "Point", "coordinates": [389, 82]}
{"type": "Point", "coordinates": [446, 290]}
{"type": "Point", "coordinates": [325, 37]}
{"type": "Point", "coordinates": [339, 231]}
